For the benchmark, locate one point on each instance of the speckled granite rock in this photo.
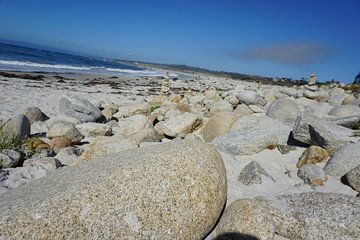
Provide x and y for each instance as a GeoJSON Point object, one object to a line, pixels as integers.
{"type": "Point", "coordinates": [221, 106]}
{"type": "Point", "coordinates": [312, 174]}
{"type": "Point", "coordinates": [252, 174]}
{"type": "Point", "coordinates": [90, 129]}
{"type": "Point", "coordinates": [314, 131]}
{"type": "Point", "coordinates": [102, 146]}
{"type": "Point", "coordinates": [18, 126]}
{"type": "Point", "coordinates": [248, 216]}
{"type": "Point", "coordinates": [34, 114]}
{"type": "Point", "coordinates": [316, 215]}
{"type": "Point", "coordinates": [353, 177]}
{"type": "Point", "coordinates": [246, 142]}
{"type": "Point", "coordinates": [312, 155]}
{"type": "Point", "coordinates": [218, 125]}
{"type": "Point", "coordinates": [284, 110]}
{"type": "Point", "coordinates": [79, 108]}
{"type": "Point", "coordinates": [167, 191]}
{"type": "Point", "coordinates": [65, 129]}
{"type": "Point", "coordinates": [179, 125]}
{"type": "Point", "coordinates": [345, 159]}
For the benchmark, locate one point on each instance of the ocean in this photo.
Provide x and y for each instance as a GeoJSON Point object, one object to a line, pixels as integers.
{"type": "Point", "coordinates": [19, 58]}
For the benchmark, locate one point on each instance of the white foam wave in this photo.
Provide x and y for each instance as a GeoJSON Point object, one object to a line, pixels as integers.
{"type": "Point", "coordinates": [42, 65]}
{"type": "Point", "coordinates": [29, 65]}
{"type": "Point", "coordinates": [129, 71]}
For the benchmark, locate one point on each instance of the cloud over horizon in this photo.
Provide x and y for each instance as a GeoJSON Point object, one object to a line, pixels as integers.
{"type": "Point", "coordinates": [296, 53]}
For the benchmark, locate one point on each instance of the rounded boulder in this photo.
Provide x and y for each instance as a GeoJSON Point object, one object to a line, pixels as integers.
{"type": "Point", "coordinates": [168, 191]}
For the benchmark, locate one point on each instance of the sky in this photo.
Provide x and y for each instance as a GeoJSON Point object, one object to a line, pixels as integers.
{"type": "Point", "coordinates": [286, 38]}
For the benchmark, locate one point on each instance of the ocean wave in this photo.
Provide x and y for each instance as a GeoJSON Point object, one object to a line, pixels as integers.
{"type": "Point", "coordinates": [30, 65]}
{"type": "Point", "coordinates": [44, 65]}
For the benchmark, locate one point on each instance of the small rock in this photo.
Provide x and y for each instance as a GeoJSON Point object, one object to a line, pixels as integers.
{"type": "Point", "coordinates": [283, 110]}
{"type": "Point", "coordinates": [251, 97]}
{"type": "Point", "coordinates": [65, 130]}
{"type": "Point", "coordinates": [345, 111]}
{"type": "Point", "coordinates": [285, 149]}
{"type": "Point", "coordinates": [103, 146]}
{"type": "Point", "coordinates": [218, 125]}
{"type": "Point", "coordinates": [91, 129]}
{"type": "Point", "coordinates": [58, 143]}
{"type": "Point", "coordinates": [48, 163]}
{"type": "Point", "coordinates": [321, 96]}
{"type": "Point", "coordinates": [312, 174]}
{"type": "Point", "coordinates": [221, 106]}
{"type": "Point", "coordinates": [242, 110]}
{"type": "Point", "coordinates": [68, 155]}
{"type": "Point", "coordinates": [256, 108]}
{"type": "Point", "coordinates": [252, 174]}
{"type": "Point", "coordinates": [265, 123]}
{"type": "Point", "coordinates": [233, 100]}
{"type": "Point", "coordinates": [9, 158]}
{"type": "Point", "coordinates": [36, 144]}
{"type": "Point", "coordinates": [313, 155]}
{"type": "Point", "coordinates": [79, 108]}
{"type": "Point", "coordinates": [353, 178]}
{"type": "Point", "coordinates": [246, 142]}
{"type": "Point", "coordinates": [179, 125]}
{"type": "Point", "coordinates": [132, 108]}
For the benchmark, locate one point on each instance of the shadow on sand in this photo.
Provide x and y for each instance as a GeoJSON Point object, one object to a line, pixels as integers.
{"type": "Point", "coordinates": [235, 236]}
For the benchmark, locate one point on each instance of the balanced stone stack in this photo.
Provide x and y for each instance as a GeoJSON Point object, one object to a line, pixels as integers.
{"type": "Point", "coordinates": [312, 80]}
{"type": "Point", "coordinates": [165, 88]}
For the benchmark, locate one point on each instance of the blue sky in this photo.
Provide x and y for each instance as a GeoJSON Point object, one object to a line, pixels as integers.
{"type": "Point", "coordinates": [274, 38]}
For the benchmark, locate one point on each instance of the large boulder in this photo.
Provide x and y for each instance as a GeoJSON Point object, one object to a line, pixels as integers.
{"type": "Point", "coordinates": [316, 215]}
{"type": "Point", "coordinates": [250, 217]}
{"type": "Point", "coordinates": [179, 125]}
{"type": "Point", "coordinates": [246, 142]}
{"type": "Point", "coordinates": [129, 196]}
{"type": "Point", "coordinates": [18, 127]}
{"type": "Point", "coordinates": [34, 114]}
{"type": "Point", "coordinates": [314, 131]}
{"type": "Point", "coordinates": [218, 125]}
{"type": "Point", "coordinates": [345, 159]}
{"type": "Point", "coordinates": [79, 108]}
{"type": "Point", "coordinates": [284, 110]}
